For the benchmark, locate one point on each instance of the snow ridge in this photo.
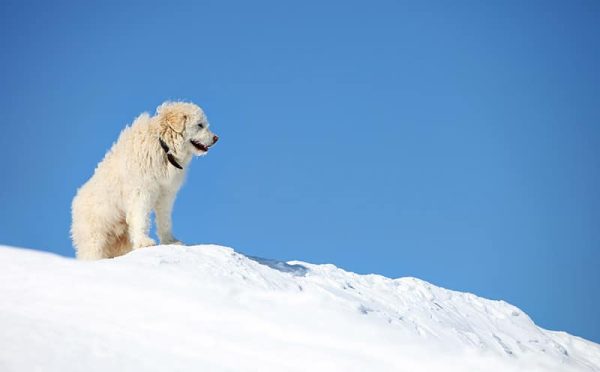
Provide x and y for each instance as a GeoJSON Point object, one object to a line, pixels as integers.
{"type": "Point", "coordinates": [208, 307]}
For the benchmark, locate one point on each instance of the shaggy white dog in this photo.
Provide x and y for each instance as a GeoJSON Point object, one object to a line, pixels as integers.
{"type": "Point", "coordinates": [142, 171]}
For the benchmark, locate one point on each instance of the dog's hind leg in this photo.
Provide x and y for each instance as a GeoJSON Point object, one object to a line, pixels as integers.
{"type": "Point", "coordinates": [120, 245]}
{"type": "Point", "coordinates": [92, 248]}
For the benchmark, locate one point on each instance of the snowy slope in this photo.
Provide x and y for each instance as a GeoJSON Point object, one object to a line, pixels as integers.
{"type": "Point", "coordinates": [208, 308]}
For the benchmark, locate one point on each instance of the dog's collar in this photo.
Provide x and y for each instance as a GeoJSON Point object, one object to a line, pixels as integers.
{"type": "Point", "coordinates": [170, 156]}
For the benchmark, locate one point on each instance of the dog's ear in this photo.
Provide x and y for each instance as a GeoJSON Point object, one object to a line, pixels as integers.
{"type": "Point", "coordinates": [171, 117]}
{"type": "Point", "coordinates": [175, 121]}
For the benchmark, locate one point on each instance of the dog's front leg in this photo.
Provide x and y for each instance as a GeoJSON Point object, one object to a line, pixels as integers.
{"type": "Point", "coordinates": [138, 219]}
{"type": "Point", "coordinates": [163, 211]}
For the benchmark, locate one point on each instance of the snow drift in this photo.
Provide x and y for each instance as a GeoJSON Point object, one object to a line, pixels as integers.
{"type": "Point", "coordinates": [208, 308]}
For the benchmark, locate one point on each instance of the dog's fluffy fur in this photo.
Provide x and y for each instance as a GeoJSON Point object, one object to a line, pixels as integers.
{"type": "Point", "coordinates": [111, 212]}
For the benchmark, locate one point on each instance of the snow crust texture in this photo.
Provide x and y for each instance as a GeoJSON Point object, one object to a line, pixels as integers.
{"type": "Point", "coordinates": [209, 308]}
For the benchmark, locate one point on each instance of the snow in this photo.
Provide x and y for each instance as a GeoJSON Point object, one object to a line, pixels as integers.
{"type": "Point", "coordinates": [209, 308]}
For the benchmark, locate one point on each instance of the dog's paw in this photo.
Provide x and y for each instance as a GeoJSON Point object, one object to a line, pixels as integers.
{"type": "Point", "coordinates": [172, 242]}
{"type": "Point", "coordinates": [144, 242]}
{"type": "Point", "coordinates": [168, 239]}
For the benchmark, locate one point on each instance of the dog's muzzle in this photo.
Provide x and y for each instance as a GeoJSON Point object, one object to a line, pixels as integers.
{"type": "Point", "coordinates": [203, 147]}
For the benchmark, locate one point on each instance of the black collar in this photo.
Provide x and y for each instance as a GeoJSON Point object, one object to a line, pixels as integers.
{"type": "Point", "coordinates": [170, 156]}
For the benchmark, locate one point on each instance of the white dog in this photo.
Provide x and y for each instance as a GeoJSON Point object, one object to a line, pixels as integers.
{"type": "Point", "coordinates": [142, 171]}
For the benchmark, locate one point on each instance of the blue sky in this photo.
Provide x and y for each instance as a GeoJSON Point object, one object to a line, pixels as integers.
{"type": "Point", "coordinates": [458, 142]}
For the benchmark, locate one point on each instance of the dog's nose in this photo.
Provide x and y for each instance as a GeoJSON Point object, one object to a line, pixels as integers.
{"type": "Point", "coordinates": [215, 139]}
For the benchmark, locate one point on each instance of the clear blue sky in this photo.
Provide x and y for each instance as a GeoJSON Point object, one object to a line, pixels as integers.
{"type": "Point", "coordinates": [458, 142]}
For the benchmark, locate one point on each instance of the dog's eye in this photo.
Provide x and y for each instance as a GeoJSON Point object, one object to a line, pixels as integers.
{"type": "Point", "coordinates": [201, 125]}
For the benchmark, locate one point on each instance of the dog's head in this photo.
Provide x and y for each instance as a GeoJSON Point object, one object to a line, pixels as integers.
{"type": "Point", "coordinates": [185, 126]}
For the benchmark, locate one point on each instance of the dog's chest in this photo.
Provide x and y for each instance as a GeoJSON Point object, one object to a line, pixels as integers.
{"type": "Point", "coordinates": [172, 180]}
